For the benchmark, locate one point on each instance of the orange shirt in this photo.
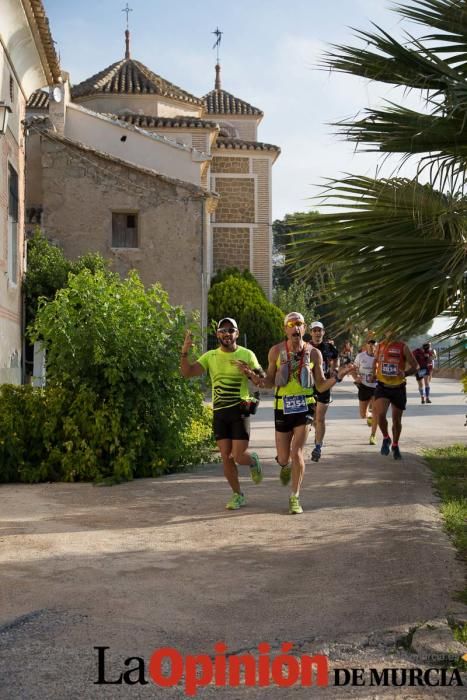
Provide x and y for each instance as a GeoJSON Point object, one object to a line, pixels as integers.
{"type": "Point", "coordinates": [390, 361]}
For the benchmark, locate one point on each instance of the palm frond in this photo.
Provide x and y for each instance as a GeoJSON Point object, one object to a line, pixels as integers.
{"type": "Point", "coordinates": [410, 66]}
{"type": "Point", "coordinates": [399, 247]}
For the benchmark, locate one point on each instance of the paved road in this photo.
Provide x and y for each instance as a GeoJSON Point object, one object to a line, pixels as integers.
{"type": "Point", "coordinates": [159, 562]}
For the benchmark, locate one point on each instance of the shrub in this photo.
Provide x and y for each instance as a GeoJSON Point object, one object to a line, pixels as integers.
{"type": "Point", "coordinates": [115, 405]}
{"type": "Point", "coordinates": [259, 320]}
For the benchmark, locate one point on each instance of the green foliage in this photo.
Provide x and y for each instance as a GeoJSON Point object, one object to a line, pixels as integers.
{"type": "Point", "coordinates": [258, 319]}
{"type": "Point", "coordinates": [450, 478]}
{"type": "Point", "coordinates": [115, 405]}
{"type": "Point", "coordinates": [227, 272]}
{"type": "Point", "coordinates": [48, 271]}
{"type": "Point", "coordinates": [400, 243]}
{"type": "Point", "coordinates": [297, 297]}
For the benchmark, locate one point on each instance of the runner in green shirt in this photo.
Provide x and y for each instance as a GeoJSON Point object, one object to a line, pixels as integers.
{"type": "Point", "coordinates": [229, 366]}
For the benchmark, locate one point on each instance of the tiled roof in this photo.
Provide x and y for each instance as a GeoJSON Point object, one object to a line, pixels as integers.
{"type": "Point", "coordinates": [38, 100]}
{"type": "Point", "coordinates": [129, 77]}
{"type": "Point", "coordinates": [222, 102]}
{"type": "Point", "coordinates": [42, 23]}
{"type": "Point", "coordinates": [245, 145]}
{"type": "Point", "coordinates": [147, 122]}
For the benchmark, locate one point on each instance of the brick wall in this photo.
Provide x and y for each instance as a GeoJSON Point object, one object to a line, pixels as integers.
{"type": "Point", "coordinates": [237, 200]}
{"type": "Point", "coordinates": [231, 248]}
{"type": "Point", "coordinates": [230, 165]}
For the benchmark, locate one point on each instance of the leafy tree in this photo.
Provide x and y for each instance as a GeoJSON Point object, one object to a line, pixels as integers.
{"type": "Point", "coordinates": [399, 244]}
{"type": "Point", "coordinates": [115, 405]}
{"type": "Point", "coordinates": [299, 296]}
{"type": "Point", "coordinates": [259, 320]}
{"type": "Point", "coordinates": [48, 271]}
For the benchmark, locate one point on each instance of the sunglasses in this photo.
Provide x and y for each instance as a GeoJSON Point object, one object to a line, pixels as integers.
{"type": "Point", "coordinates": [292, 324]}
{"type": "Point", "coordinates": [224, 331]}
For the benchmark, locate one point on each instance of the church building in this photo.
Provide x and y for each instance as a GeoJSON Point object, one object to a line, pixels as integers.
{"type": "Point", "coordinates": [153, 177]}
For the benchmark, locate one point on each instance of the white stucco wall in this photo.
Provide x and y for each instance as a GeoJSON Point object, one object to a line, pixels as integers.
{"type": "Point", "coordinates": [138, 148]}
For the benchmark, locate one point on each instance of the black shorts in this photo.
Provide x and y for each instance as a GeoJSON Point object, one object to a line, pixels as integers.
{"type": "Point", "coordinates": [230, 424]}
{"type": "Point", "coordinates": [323, 396]}
{"type": "Point", "coordinates": [365, 392]}
{"type": "Point", "coordinates": [397, 395]}
{"type": "Point", "coordinates": [286, 422]}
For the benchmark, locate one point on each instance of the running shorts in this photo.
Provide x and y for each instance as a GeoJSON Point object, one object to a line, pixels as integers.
{"type": "Point", "coordinates": [365, 392]}
{"type": "Point", "coordinates": [285, 423]}
{"type": "Point", "coordinates": [231, 424]}
{"type": "Point", "coordinates": [397, 395]}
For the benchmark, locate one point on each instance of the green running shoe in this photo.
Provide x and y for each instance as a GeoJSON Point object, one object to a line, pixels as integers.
{"type": "Point", "coordinates": [294, 506]}
{"type": "Point", "coordinates": [372, 439]}
{"type": "Point", "coordinates": [285, 475]}
{"type": "Point", "coordinates": [256, 470]}
{"type": "Point", "coordinates": [237, 501]}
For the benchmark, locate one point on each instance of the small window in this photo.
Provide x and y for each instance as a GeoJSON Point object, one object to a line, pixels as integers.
{"type": "Point", "coordinates": [124, 230]}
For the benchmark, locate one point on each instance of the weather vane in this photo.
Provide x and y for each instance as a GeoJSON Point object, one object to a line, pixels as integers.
{"type": "Point", "coordinates": [218, 34]}
{"type": "Point", "coordinates": [127, 10]}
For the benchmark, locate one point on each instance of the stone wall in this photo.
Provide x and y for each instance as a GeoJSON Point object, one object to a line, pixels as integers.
{"type": "Point", "coordinates": [230, 165]}
{"type": "Point", "coordinates": [81, 189]}
{"type": "Point", "coordinates": [231, 248]}
{"type": "Point", "coordinates": [237, 200]}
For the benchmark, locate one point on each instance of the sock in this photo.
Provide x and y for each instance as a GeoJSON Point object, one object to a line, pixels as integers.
{"type": "Point", "coordinates": [295, 493]}
{"type": "Point", "coordinates": [427, 391]}
{"type": "Point", "coordinates": [395, 444]}
{"type": "Point", "coordinates": [386, 437]}
{"type": "Point", "coordinates": [318, 445]}
{"type": "Point", "coordinates": [421, 392]}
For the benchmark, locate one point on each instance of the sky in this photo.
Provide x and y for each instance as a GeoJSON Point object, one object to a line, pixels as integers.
{"type": "Point", "coordinates": [269, 55]}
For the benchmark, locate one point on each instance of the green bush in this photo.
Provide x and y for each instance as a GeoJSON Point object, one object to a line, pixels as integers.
{"type": "Point", "coordinates": [258, 319]}
{"type": "Point", "coordinates": [227, 272]}
{"type": "Point", "coordinates": [115, 405]}
{"type": "Point", "coordinates": [48, 271]}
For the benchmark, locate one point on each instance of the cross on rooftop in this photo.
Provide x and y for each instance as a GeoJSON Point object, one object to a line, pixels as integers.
{"type": "Point", "coordinates": [127, 10]}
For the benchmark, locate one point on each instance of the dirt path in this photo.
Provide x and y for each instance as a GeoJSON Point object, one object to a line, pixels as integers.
{"type": "Point", "coordinates": [160, 563]}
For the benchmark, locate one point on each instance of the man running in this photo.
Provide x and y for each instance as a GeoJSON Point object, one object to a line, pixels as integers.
{"type": "Point", "coordinates": [425, 357]}
{"type": "Point", "coordinates": [366, 383]}
{"type": "Point", "coordinates": [330, 356]}
{"type": "Point", "coordinates": [230, 366]}
{"type": "Point", "coordinates": [392, 358]}
{"type": "Point", "coordinates": [294, 367]}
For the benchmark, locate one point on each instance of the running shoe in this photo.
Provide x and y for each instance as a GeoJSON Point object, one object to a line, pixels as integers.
{"type": "Point", "coordinates": [372, 439]}
{"type": "Point", "coordinates": [385, 446]}
{"type": "Point", "coordinates": [285, 475]}
{"type": "Point", "coordinates": [256, 471]}
{"type": "Point", "coordinates": [237, 501]}
{"type": "Point", "coordinates": [294, 506]}
{"type": "Point", "coordinates": [369, 421]}
{"type": "Point", "coordinates": [316, 454]}
{"type": "Point", "coordinates": [427, 400]}
{"type": "Point", "coordinates": [423, 399]}
{"type": "Point", "coordinates": [396, 453]}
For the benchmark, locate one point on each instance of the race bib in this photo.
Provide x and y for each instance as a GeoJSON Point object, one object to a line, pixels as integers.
{"type": "Point", "coordinates": [295, 404]}
{"type": "Point", "coordinates": [390, 369]}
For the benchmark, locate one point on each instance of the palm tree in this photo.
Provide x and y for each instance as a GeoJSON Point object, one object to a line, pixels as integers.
{"type": "Point", "coordinates": [399, 244]}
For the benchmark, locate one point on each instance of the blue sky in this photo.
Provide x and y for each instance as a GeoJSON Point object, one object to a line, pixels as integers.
{"type": "Point", "coordinates": [268, 55]}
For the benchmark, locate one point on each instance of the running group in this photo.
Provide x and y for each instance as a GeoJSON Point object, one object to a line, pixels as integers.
{"type": "Point", "coordinates": [302, 369]}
